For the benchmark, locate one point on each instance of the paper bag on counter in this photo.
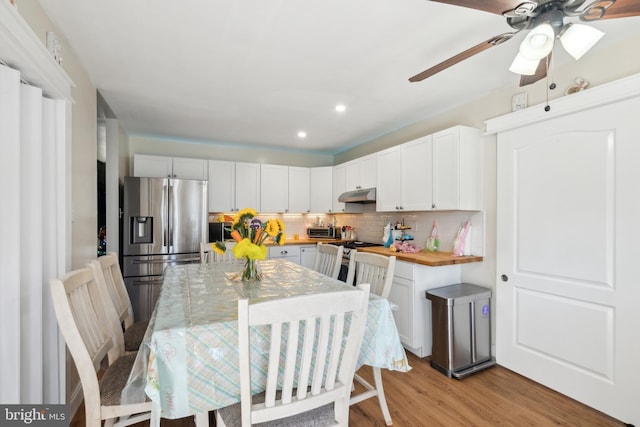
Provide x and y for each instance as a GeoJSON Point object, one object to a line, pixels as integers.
{"type": "Point", "coordinates": [433, 242]}
{"type": "Point", "coordinates": [461, 244]}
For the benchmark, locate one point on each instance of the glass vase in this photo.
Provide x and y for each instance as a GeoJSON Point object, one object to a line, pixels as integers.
{"type": "Point", "coordinates": [251, 271]}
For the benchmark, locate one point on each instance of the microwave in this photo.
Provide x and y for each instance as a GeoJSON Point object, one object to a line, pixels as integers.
{"type": "Point", "coordinates": [219, 231]}
{"type": "Point", "coordinates": [321, 232]}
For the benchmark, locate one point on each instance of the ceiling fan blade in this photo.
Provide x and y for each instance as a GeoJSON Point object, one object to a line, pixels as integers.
{"type": "Point", "coordinates": [493, 41]}
{"type": "Point", "coordinates": [541, 72]}
{"type": "Point", "coordinates": [622, 9]}
{"type": "Point", "coordinates": [491, 6]}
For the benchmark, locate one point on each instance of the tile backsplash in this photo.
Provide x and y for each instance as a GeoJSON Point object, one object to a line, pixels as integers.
{"type": "Point", "coordinates": [370, 224]}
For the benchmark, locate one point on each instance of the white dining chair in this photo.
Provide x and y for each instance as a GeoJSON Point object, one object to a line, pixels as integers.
{"type": "Point", "coordinates": [108, 274]}
{"type": "Point", "coordinates": [87, 324]}
{"type": "Point", "coordinates": [208, 255]}
{"type": "Point", "coordinates": [319, 393]}
{"type": "Point", "coordinates": [377, 270]}
{"type": "Point", "coordinates": [328, 259]}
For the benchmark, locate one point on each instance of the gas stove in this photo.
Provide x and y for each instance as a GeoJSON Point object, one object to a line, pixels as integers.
{"type": "Point", "coordinates": [348, 247]}
{"type": "Point", "coordinates": [357, 244]}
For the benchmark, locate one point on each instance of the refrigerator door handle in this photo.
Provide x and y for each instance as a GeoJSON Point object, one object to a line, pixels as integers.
{"type": "Point", "coordinates": [171, 214]}
{"type": "Point", "coordinates": [188, 260]}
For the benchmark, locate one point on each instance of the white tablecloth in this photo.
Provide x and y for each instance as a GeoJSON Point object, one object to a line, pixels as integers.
{"type": "Point", "coordinates": [188, 362]}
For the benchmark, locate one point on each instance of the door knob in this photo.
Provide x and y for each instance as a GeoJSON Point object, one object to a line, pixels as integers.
{"type": "Point", "coordinates": [504, 278]}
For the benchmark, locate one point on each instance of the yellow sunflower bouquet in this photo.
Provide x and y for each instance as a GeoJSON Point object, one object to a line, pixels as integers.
{"type": "Point", "coordinates": [250, 234]}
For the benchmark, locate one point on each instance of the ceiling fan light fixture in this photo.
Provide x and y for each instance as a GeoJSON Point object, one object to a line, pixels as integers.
{"type": "Point", "coordinates": [577, 39]}
{"type": "Point", "coordinates": [538, 43]}
{"type": "Point", "coordinates": [524, 66]}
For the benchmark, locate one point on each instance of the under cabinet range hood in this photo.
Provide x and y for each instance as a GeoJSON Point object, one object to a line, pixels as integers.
{"type": "Point", "coordinates": [365, 195]}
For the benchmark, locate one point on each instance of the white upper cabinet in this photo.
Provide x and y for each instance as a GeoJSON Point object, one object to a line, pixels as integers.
{"type": "Point", "coordinates": [442, 171]}
{"type": "Point", "coordinates": [339, 187]}
{"type": "Point", "coordinates": [190, 168]}
{"type": "Point", "coordinates": [247, 191]}
{"type": "Point", "coordinates": [274, 188]}
{"type": "Point", "coordinates": [404, 177]}
{"type": "Point", "coordinates": [284, 189]}
{"type": "Point", "coordinates": [222, 185]}
{"type": "Point", "coordinates": [299, 186]}
{"type": "Point", "coordinates": [321, 189]}
{"type": "Point", "coordinates": [152, 166]}
{"type": "Point", "coordinates": [361, 173]}
{"type": "Point", "coordinates": [172, 167]}
{"type": "Point", "coordinates": [457, 169]}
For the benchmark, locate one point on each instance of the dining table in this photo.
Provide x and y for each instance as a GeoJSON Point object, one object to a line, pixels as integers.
{"type": "Point", "coordinates": [188, 361]}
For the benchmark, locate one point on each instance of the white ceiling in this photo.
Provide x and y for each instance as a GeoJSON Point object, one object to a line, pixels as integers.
{"type": "Point", "coordinates": [255, 72]}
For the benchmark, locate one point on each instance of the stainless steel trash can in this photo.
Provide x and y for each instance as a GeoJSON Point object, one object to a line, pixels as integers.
{"type": "Point", "coordinates": [461, 322]}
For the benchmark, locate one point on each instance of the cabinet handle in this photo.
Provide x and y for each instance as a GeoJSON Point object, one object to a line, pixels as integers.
{"type": "Point", "coordinates": [283, 252]}
{"type": "Point", "coordinates": [433, 205]}
{"type": "Point", "coordinates": [504, 278]}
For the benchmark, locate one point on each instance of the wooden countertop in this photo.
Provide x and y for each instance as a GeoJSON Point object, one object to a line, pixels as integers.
{"type": "Point", "coordinates": [431, 259]}
{"type": "Point", "coordinates": [307, 241]}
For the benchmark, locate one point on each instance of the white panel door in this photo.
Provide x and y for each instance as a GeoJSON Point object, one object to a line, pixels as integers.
{"type": "Point", "coordinates": [568, 276]}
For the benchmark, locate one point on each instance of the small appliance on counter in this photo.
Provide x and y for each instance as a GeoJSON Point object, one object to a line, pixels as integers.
{"type": "Point", "coordinates": [324, 232]}
{"type": "Point", "coordinates": [219, 231]}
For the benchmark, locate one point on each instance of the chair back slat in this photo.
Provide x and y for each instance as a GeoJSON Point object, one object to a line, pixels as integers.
{"type": "Point", "coordinates": [328, 259]}
{"type": "Point", "coordinates": [116, 287]}
{"type": "Point", "coordinates": [332, 327]}
{"type": "Point", "coordinates": [377, 270]}
{"type": "Point", "coordinates": [208, 255]}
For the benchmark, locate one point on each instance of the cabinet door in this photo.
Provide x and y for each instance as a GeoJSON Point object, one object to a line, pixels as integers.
{"type": "Point", "coordinates": [361, 173]}
{"type": "Point", "coordinates": [401, 294]}
{"type": "Point", "coordinates": [190, 168]}
{"type": "Point", "coordinates": [321, 189]}
{"type": "Point", "coordinates": [247, 192]}
{"type": "Point", "coordinates": [457, 169]}
{"type": "Point", "coordinates": [308, 256]}
{"type": "Point", "coordinates": [222, 183]}
{"type": "Point", "coordinates": [299, 190]}
{"type": "Point", "coordinates": [388, 194]}
{"type": "Point", "coordinates": [339, 186]}
{"type": "Point", "coordinates": [152, 166]}
{"type": "Point", "coordinates": [415, 175]}
{"type": "Point", "coordinates": [368, 171]}
{"type": "Point", "coordinates": [446, 169]}
{"type": "Point", "coordinates": [289, 252]}
{"type": "Point", "coordinates": [274, 188]}
{"type": "Point", "coordinates": [352, 175]}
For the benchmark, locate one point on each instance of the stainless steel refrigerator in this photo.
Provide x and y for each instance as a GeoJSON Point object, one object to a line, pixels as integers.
{"type": "Point", "coordinates": [165, 220]}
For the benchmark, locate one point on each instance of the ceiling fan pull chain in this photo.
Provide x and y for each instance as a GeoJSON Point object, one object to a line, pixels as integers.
{"type": "Point", "coordinates": [551, 86]}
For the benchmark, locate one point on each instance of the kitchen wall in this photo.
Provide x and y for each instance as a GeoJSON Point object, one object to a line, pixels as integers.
{"type": "Point", "coordinates": [84, 140]}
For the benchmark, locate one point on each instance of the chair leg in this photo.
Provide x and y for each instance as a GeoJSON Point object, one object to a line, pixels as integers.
{"type": "Point", "coordinates": [202, 419]}
{"type": "Point", "coordinates": [377, 377]}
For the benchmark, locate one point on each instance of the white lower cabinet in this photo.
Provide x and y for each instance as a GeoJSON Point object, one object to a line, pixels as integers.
{"type": "Point", "coordinates": [412, 310]}
{"type": "Point", "coordinates": [308, 255]}
{"type": "Point", "coordinates": [289, 252]}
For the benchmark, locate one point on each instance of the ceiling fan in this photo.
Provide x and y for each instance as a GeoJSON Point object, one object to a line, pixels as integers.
{"type": "Point", "coordinates": [544, 19]}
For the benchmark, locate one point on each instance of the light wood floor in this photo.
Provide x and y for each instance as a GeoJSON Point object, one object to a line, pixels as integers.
{"type": "Point", "coordinates": [425, 397]}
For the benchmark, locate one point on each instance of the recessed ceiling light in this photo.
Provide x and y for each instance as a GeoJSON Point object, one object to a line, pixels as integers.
{"type": "Point", "coordinates": [341, 108]}
{"type": "Point", "coordinates": [302, 134]}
